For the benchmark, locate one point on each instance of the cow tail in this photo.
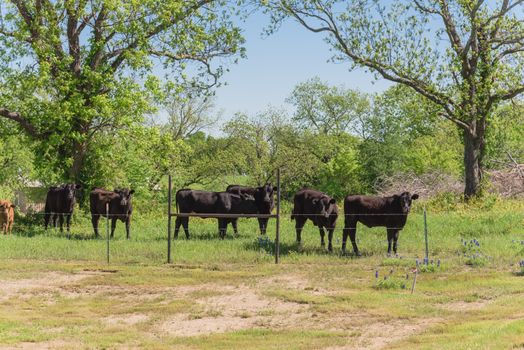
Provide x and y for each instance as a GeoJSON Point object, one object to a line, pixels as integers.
{"type": "Point", "coordinates": [293, 214]}
{"type": "Point", "coordinates": [176, 204]}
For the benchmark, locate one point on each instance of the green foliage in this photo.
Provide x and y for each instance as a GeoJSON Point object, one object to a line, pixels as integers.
{"type": "Point", "coordinates": [391, 280]}
{"type": "Point", "coordinates": [505, 135]}
{"type": "Point", "coordinates": [84, 70]}
{"type": "Point", "coordinates": [461, 56]}
{"type": "Point", "coordinates": [16, 162]}
{"type": "Point", "coordinates": [403, 135]}
{"type": "Point", "coordinates": [327, 109]}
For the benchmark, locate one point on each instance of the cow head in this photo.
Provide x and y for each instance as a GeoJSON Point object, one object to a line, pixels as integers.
{"type": "Point", "coordinates": [405, 199]}
{"type": "Point", "coordinates": [124, 196]}
{"type": "Point", "coordinates": [324, 206]}
{"type": "Point", "coordinates": [70, 190]}
{"type": "Point", "coordinates": [264, 196]}
{"type": "Point", "coordinates": [5, 207]}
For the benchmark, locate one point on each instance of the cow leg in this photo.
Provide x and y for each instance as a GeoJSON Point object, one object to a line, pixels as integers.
{"type": "Point", "coordinates": [350, 229]}
{"type": "Point", "coordinates": [391, 235]}
{"type": "Point", "coordinates": [47, 217]}
{"type": "Point", "coordinates": [322, 234]}
{"type": "Point", "coordinates": [222, 228]}
{"type": "Point", "coordinates": [61, 219]}
{"type": "Point", "coordinates": [128, 227]}
{"type": "Point", "coordinates": [299, 225]}
{"type": "Point", "coordinates": [185, 223]}
{"type": "Point", "coordinates": [234, 223]}
{"type": "Point", "coordinates": [262, 223]}
{"type": "Point", "coordinates": [330, 239]}
{"type": "Point", "coordinates": [395, 239]}
{"type": "Point", "coordinates": [178, 222]}
{"type": "Point", "coordinates": [353, 238]}
{"type": "Point", "coordinates": [54, 219]}
{"type": "Point", "coordinates": [94, 220]}
{"type": "Point", "coordinates": [113, 226]}
{"type": "Point", "coordinates": [68, 224]}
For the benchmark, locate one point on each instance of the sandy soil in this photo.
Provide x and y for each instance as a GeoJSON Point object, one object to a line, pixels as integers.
{"type": "Point", "coordinates": [224, 308]}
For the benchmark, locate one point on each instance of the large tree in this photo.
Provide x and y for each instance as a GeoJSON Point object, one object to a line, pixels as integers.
{"type": "Point", "coordinates": [328, 109]}
{"type": "Point", "coordinates": [71, 69]}
{"type": "Point", "coordinates": [466, 56]}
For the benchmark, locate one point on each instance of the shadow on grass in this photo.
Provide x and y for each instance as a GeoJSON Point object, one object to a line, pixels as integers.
{"type": "Point", "coordinates": [31, 232]}
{"type": "Point", "coordinates": [265, 244]}
{"type": "Point", "coordinates": [206, 236]}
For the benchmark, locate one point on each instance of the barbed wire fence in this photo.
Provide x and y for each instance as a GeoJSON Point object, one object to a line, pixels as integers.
{"type": "Point", "coordinates": [36, 208]}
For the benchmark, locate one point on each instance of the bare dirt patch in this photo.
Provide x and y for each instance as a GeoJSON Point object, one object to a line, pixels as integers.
{"type": "Point", "coordinates": [376, 335]}
{"type": "Point", "coordinates": [126, 320]}
{"type": "Point", "coordinates": [236, 308]}
{"type": "Point", "coordinates": [461, 306]}
{"type": "Point", "coordinates": [45, 283]}
{"type": "Point", "coordinates": [47, 345]}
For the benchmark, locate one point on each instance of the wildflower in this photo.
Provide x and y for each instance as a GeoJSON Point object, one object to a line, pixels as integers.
{"type": "Point", "coordinates": [376, 274]}
{"type": "Point", "coordinates": [438, 263]}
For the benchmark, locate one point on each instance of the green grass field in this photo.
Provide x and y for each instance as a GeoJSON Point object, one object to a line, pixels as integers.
{"type": "Point", "coordinates": [221, 294]}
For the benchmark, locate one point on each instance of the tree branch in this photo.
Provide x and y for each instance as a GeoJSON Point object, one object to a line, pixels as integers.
{"type": "Point", "coordinates": [24, 123]}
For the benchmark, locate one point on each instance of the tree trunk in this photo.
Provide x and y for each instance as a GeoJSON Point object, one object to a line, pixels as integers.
{"type": "Point", "coordinates": [79, 155]}
{"type": "Point", "coordinates": [472, 164]}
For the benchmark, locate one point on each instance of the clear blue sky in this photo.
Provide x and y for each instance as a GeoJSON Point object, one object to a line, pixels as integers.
{"type": "Point", "coordinates": [275, 64]}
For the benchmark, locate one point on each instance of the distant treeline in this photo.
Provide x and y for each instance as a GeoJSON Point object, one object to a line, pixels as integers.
{"type": "Point", "coordinates": [337, 140]}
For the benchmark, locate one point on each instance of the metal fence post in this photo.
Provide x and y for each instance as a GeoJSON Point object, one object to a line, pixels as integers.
{"type": "Point", "coordinates": [169, 220]}
{"type": "Point", "coordinates": [107, 231]}
{"type": "Point", "coordinates": [426, 236]}
{"type": "Point", "coordinates": [277, 238]}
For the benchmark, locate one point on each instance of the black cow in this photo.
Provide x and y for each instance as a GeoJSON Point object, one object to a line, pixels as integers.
{"type": "Point", "coordinates": [60, 201]}
{"type": "Point", "coordinates": [264, 198]}
{"type": "Point", "coordinates": [120, 207]}
{"type": "Point", "coordinates": [390, 212]}
{"type": "Point", "coordinates": [319, 208]}
{"type": "Point", "coordinates": [204, 202]}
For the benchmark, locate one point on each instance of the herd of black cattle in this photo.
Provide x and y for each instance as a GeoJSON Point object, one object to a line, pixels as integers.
{"type": "Point", "coordinates": [390, 212]}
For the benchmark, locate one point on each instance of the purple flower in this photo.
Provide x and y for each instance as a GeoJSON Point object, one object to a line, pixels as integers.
{"type": "Point", "coordinates": [438, 263]}
{"type": "Point", "coordinates": [376, 274]}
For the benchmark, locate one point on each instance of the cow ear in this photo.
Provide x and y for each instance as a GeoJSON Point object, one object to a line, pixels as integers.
{"type": "Point", "coordinates": [332, 201]}
{"type": "Point", "coordinates": [13, 206]}
{"type": "Point", "coordinates": [275, 188]}
{"type": "Point", "coordinates": [414, 196]}
{"type": "Point", "coordinates": [78, 187]}
{"type": "Point", "coordinates": [132, 191]}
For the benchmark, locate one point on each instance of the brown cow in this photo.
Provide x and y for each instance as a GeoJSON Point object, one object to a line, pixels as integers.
{"type": "Point", "coordinates": [7, 216]}
{"type": "Point", "coordinates": [318, 207]}
{"type": "Point", "coordinates": [390, 212]}
{"type": "Point", "coordinates": [120, 207]}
